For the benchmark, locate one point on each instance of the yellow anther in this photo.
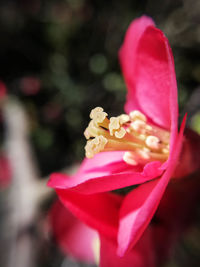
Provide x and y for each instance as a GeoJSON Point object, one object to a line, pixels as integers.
{"type": "Point", "coordinates": [114, 125]}
{"type": "Point", "coordinates": [98, 115]}
{"type": "Point", "coordinates": [95, 146]}
{"type": "Point", "coordinates": [128, 157]}
{"type": "Point", "coordinates": [124, 118]}
{"type": "Point", "coordinates": [153, 142]}
{"type": "Point", "coordinates": [139, 126]}
{"type": "Point", "coordinates": [120, 133]}
{"type": "Point", "coordinates": [137, 115]}
{"type": "Point", "coordinates": [93, 130]}
{"type": "Point", "coordinates": [87, 133]}
{"type": "Point", "coordinates": [90, 131]}
{"type": "Point", "coordinates": [115, 128]}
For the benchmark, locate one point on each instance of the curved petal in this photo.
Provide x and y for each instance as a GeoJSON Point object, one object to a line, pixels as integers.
{"type": "Point", "coordinates": [128, 57]}
{"type": "Point", "coordinates": [148, 68]}
{"type": "Point", "coordinates": [140, 205]}
{"type": "Point", "coordinates": [75, 238]}
{"type": "Point", "coordinates": [100, 211]}
{"type": "Point", "coordinates": [90, 183]}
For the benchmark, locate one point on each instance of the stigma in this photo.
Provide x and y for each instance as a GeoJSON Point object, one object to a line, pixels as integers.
{"type": "Point", "coordinates": [141, 141]}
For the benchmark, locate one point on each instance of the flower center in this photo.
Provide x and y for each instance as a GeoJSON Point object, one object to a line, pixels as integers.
{"type": "Point", "coordinates": [142, 141]}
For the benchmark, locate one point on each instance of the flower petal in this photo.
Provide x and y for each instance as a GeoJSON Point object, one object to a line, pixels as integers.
{"type": "Point", "coordinates": [140, 205]}
{"type": "Point", "coordinates": [141, 255]}
{"type": "Point", "coordinates": [75, 238]}
{"type": "Point", "coordinates": [100, 211]}
{"type": "Point", "coordinates": [94, 177]}
{"type": "Point", "coordinates": [148, 68]}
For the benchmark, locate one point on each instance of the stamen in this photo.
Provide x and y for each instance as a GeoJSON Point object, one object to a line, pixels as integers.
{"type": "Point", "coordinates": [120, 133]}
{"type": "Point", "coordinates": [93, 130]}
{"type": "Point", "coordinates": [124, 118]}
{"type": "Point", "coordinates": [115, 128]}
{"type": "Point", "coordinates": [129, 158]}
{"type": "Point", "coordinates": [98, 115]}
{"type": "Point", "coordinates": [153, 142]}
{"type": "Point", "coordinates": [114, 125]}
{"type": "Point", "coordinates": [87, 133]}
{"type": "Point", "coordinates": [95, 146]}
{"type": "Point", "coordinates": [137, 115]}
{"type": "Point", "coordinates": [143, 142]}
{"type": "Point", "coordinates": [139, 126]}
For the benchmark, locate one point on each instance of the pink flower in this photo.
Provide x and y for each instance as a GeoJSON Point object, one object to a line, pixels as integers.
{"type": "Point", "coordinates": [141, 147]}
{"type": "Point", "coordinates": [75, 238]}
{"type": "Point", "coordinates": [81, 242]}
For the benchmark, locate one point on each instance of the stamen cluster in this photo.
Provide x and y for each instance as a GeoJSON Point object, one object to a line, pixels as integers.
{"type": "Point", "coordinates": [141, 141]}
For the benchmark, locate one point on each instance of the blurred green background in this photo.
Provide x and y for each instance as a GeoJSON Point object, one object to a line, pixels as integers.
{"type": "Point", "coordinates": [60, 59]}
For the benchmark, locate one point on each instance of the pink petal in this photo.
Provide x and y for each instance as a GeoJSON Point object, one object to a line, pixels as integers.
{"type": "Point", "coordinates": [100, 211]}
{"type": "Point", "coordinates": [128, 56]}
{"type": "Point", "coordinates": [94, 176]}
{"type": "Point", "coordinates": [75, 238]}
{"type": "Point", "coordinates": [142, 255]}
{"type": "Point", "coordinates": [140, 205]}
{"type": "Point", "coordinates": [148, 68]}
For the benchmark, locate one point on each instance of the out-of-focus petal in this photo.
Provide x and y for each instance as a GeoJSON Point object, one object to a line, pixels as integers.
{"type": "Point", "coordinates": [175, 214]}
{"type": "Point", "coordinates": [148, 67]}
{"type": "Point", "coordinates": [100, 211]}
{"type": "Point", "coordinates": [5, 172]}
{"type": "Point", "coordinates": [140, 205]}
{"type": "Point", "coordinates": [75, 238]}
{"type": "Point", "coordinates": [142, 255]}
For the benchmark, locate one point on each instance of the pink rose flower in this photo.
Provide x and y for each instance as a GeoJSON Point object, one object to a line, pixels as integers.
{"type": "Point", "coordinates": [139, 148]}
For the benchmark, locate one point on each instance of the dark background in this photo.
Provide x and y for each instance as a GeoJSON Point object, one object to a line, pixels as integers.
{"type": "Point", "coordinates": [60, 59]}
